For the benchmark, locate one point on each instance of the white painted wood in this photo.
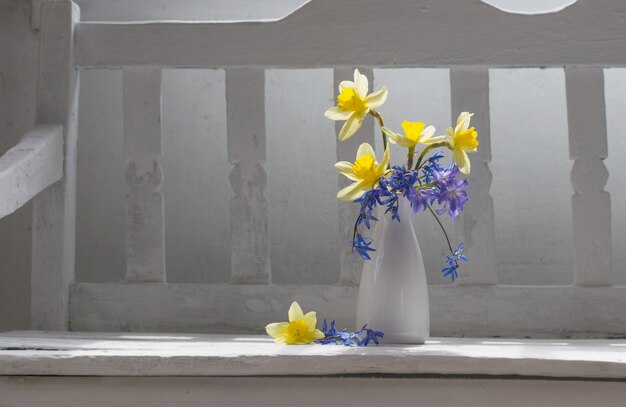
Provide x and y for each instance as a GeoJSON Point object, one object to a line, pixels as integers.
{"type": "Point", "coordinates": [591, 205]}
{"type": "Point", "coordinates": [145, 244]}
{"type": "Point", "coordinates": [245, 98]}
{"type": "Point", "coordinates": [34, 164]}
{"type": "Point", "coordinates": [197, 190]}
{"type": "Point", "coordinates": [301, 154]}
{"type": "Point", "coordinates": [189, 10]}
{"type": "Point", "coordinates": [589, 34]}
{"type": "Point", "coordinates": [350, 263]}
{"type": "Point", "coordinates": [472, 311]}
{"type": "Point", "coordinates": [469, 88]}
{"type": "Point", "coordinates": [54, 210]}
{"type": "Point", "coordinates": [615, 96]}
{"type": "Point", "coordinates": [143, 354]}
{"type": "Point", "coordinates": [304, 391]}
{"type": "Point", "coordinates": [534, 237]}
{"type": "Point", "coordinates": [579, 311]}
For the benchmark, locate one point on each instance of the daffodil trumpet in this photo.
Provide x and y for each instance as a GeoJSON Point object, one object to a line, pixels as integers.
{"type": "Point", "coordinates": [424, 185]}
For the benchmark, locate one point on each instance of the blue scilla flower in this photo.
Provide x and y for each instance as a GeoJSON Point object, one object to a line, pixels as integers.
{"type": "Point", "coordinates": [443, 175]}
{"type": "Point", "coordinates": [421, 197]}
{"type": "Point", "coordinates": [452, 196]}
{"type": "Point", "coordinates": [453, 263]}
{"type": "Point", "coordinates": [362, 337]}
{"type": "Point", "coordinates": [430, 166]}
{"type": "Point", "coordinates": [457, 255]}
{"type": "Point", "coordinates": [362, 246]}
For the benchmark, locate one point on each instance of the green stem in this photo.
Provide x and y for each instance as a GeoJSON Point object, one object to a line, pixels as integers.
{"type": "Point", "coordinates": [441, 226]}
{"type": "Point", "coordinates": [410, 155]}
{"type": "Point", "coordinates": [426, 150]}
{"type": "Point", "coordinates": [381, 124]}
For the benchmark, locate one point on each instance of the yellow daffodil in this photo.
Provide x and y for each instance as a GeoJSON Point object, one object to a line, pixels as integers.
{"type": "Point", "coordinates": [462, 139]}
{"type": "Point", "coordinates": [365, 172]}
{"type": "Point", "coordinates": [300, 329]}
{"type": "Point", "coordinates": [353, 104]}
{"type": "Point", "coordinates": [414, 133]}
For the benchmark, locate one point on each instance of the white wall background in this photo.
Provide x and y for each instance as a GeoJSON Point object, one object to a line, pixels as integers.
{"type": "Point", "coordinates": [530, 168]}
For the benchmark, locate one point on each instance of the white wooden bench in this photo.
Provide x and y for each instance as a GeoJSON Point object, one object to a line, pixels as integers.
{"type": "Point", "coordinates": [584, 38]}
{"type": "Point", "coordinates": [69, 369]}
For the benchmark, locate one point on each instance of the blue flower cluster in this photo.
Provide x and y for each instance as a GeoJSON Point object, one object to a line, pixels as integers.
{"type": "Point", "coordinates": [453, 263]}
{"type": "Point", "coordinates": [430, 183]}
{"type": "Point", "coordinates": [362, 337]}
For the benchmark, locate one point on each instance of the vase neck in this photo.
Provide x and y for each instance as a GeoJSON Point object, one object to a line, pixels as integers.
{"type": "Point", "coordinates": [404, 209]}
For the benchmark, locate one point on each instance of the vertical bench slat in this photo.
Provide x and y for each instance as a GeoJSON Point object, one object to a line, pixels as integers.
{"type": "Point", "coordinates": [469, 88]}
{"type": "Point", "coordinates": [145, 247]}
{"type": "Point", "coordinates": [591, 205]}
{"type": "Point", "coordinates": [249, 212]}
{"type": "Point", "coordinates": [54, 210]}
{"type": "Point", "coordinates": [350, 264]}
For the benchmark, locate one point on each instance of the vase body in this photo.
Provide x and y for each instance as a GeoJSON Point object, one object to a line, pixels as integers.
{"type": "Point", "coordinates": [393, 294]}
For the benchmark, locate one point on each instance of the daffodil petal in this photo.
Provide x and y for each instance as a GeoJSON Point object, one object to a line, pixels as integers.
{"type": "Point", "coordinates": [361, 85]}
{"type": "Point", "coordinates": [383, 165]}
{"type": "Point", "coordinates": [395, 138]}
{"type": "Point", "coordinates": [277, 329]}
{"type": "Point", "coordinates": [310, 318]}
{"type": "Point", "coordinates": [295, 312]}
{"type": "Point", "coordinates": [403, 141]}
{"type": "Point", "coordinates": [317, 335]}
{"type": "Point", "coordinates": [428, 132]}
{"type": "Point", "coordinates": [365, 149]}
{"type": "Point", "coordinates": [352, 191]}
{"type": "Point", "coordinates": [461, 160]}
{"type": "Point", "coordinates": [345, 84]}
{"type": "Point", "coordinates": [336, 113]}
{"type": "Point", "coordinates": [376, 99]}
{"type": "Point", "coordinates": [450, 136]}
{"type": "Point", "coordinates": [434, 140]}
{"type": "Point", "coordinates": [345, 168]}
{"type": "Point", "coordinates": [388, 132]}
{"type": "Point", "coordinates": [350, 127]}
{"type": "Point", "coordinates": [463, 122]}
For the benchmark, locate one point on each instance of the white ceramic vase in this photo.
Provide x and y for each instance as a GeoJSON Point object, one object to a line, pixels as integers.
{"type": "Point", "coordinates": [393, 295]}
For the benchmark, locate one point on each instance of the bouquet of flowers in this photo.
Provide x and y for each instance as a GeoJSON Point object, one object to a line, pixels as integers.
{"type": "Point", "coordinates": [424, 181]}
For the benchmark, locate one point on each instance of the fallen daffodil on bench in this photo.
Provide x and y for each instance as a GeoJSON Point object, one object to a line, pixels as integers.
{"type": "Point", "coordinates": [301, 330]}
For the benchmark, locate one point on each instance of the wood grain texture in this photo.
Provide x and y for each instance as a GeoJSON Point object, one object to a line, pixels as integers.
{"type": "Point", "coordinates": [475, 226]}
{"type": "Point", "coordinates": [116, 354]}
{"type": "Point", "coordinates": [591, 205]}
{"type": "Point", "coordinates": [145, 230]}
{"type": "Point", "coordinates": [34, 164]}
{"type": "Point", "coordinates": [472, 311]}
{"type": "Point", "coordinates": [406, 33]}
{"type": "Point", "coordinates": [249, 215]}
{"type": "Point", "coordinates": [54, 210]}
